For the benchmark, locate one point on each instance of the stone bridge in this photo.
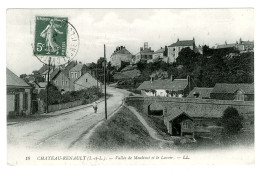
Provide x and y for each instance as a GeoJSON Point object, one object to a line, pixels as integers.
{"type": "Point", "coordinates": [202, 111]}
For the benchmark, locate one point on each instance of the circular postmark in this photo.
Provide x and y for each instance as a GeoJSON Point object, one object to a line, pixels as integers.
{"type": "Point", "coordinates": [56, 40]}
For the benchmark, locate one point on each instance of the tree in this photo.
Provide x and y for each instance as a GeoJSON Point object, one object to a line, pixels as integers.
{"type": "Point", "coordinates": [100, 62]}
{"type": "Point", "coordinates": [231, 122]}
{"type": "Point", "coordinates": [188, 58]}
{"type": "Point", "coordinates": [54, 95]}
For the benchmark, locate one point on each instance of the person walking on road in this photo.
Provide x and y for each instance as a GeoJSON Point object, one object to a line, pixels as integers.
{"type": "Point", "coordinates": [95, 107]}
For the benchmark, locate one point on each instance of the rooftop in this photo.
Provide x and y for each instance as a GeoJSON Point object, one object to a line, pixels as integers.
{"type": "Point", "coordinates": [14, 80]}
{"type": "Point", "coordinates": [167, 84]}
{"type": "Point", "coordinates": [232, 88]}
{"type": "Point", "coordinates": [183, 43]}
{"type": "Point", "coordinates": [203, 92]}
{"type": "Point", "coordinates": [77, 68]}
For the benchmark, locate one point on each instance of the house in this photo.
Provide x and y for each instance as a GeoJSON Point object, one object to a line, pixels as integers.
{"type": "Point", "coordinates": [161, 54]}
{"type": "Point", "coordinates": [86, 81]}
{"type": "Point", "coordinates": [175, 48]}
{"type": "Point", "coordinates": [145, 54]}
{"type": "Point", "coordinates": [238, 92]}
{"type": "Point", "coordinates": [18, 95]}
{"type": "Point", "coordinates": [245, 46]}
{"type": "Point", "coordinates": [242, 46]}
{"type": "Point", "coordinates": [165, 87]}
{"type": "Point", "coordinates": [77, 71]}
{"type": "Point", "coordinates": [121, 54]}
{"type": "Point", "coordinates": [62, 79]}
{"type": "Point", "coordinates": [63, 82]}
{"type": "Point", "coordinates": [200, 92]}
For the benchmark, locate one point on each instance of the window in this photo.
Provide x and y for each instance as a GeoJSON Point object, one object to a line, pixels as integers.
{"type": "Point", "coordinates": [25, 101]}
{"type": "Point", "coordinates": [66, 83]}
{"type": "Point", "coordinates": [62, 83]}
{"type": "Point", "coordinates": [72, 75]}
{"type": "Point", "coordinates": [56, 82]}
{"type": "Point", "coordinates": [86, 80]}
{"type": "Point", "coordinates": [76, 75]}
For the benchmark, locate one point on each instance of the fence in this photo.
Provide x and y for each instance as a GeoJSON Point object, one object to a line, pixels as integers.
{"type": "Point", "coordinates": [57, 107]}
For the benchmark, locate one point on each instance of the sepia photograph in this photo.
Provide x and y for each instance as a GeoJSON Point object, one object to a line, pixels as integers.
{"type": "Point", "coordinates": [130, 86]}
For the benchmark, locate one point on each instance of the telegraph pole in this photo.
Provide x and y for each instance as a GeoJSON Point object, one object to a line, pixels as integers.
{"type": "Point", "coordinates": [47, 88]}
{"type": "Point", "coordinates": [105, 64]}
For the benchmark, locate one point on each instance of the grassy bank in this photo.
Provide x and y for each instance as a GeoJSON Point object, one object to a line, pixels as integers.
{"type": "Point", "coordinates": [122, 132]}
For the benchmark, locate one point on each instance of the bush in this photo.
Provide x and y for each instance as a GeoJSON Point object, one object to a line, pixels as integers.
{"type": "Point", "coordinates": [231, 122]}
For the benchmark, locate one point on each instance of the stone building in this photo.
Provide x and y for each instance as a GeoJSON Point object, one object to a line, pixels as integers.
{"type": "Point", "coordinates": [145, 54]}
{"type": "Point", "coordinates": [175, 48]}
{"type": "Point", "coordinates": [236, 92]}
{"type": "Point", "coordinates": [86, 81]}
{"type": "Point", "coordinates": [18, 95]}
{"type": "Point", "coordinates": [120, 55]}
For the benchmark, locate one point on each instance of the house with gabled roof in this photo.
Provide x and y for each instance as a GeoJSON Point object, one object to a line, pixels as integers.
{"type": "Point", "coordinates": [239, 92]}
{"type": "Point", "coordinates": [77, 71]}
{"type": "Point", "coordinates": [119, 56]}
{"type": "Point", "coordinates": [86, 81]}
{"type": "Point", "coordinates": [18, 95]}
{"type": "Point", "coordinates": [175, 48]}
{"type": "Point", "coordinates": [165, 87]}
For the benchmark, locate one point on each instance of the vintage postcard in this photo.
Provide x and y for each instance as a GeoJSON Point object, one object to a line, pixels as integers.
{"type": "Point", "coordinates": [130, 86]}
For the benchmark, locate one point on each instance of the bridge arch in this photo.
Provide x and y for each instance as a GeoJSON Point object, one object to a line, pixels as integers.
{"type": "Point", "coordinates": [156, 108]}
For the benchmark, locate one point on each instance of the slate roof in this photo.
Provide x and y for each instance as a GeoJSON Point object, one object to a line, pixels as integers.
{"type": "Point", "coordinates": [84, 79]}
{"type": "Point", "coordinates": [221, 46]}
{"type": "Point", "coordinates": [54, 73]}
{"type": "Point", "coordinates": [204, 92]}
{"type": "Point", "coordinates": [183, 43]}
{"type": "Point", "coordinates": [14, 80]}
{"type": "Point", "coordinates": [121, 51]}
{"type": "Point", "coordinates": [76, 68]}
{"type": "Point", "coordinates": [194, 113]}
{"type": "Point", "coordinates": [167, 84]}
{"type": "Point", "coordinates": [160, 50]}
{"type": "Point", "coordinates": [176, 113]}
{"type": "Point", "coordinates": [232, 88]}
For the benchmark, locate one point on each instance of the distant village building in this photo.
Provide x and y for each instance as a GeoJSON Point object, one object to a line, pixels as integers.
{"type": "Point", "coordinates": [242, 46]}
{"type": "Point", "coordinates": [145, 54]}
{"type": "Point", "coordinates": [121, 54]}
{"type": "Point", "coordinates": [200, 93]}
{"type": "Point", "coordinates": [18, 95]}
{"type": "Point", "coordinates": [86, 81]}
{"type": "Point", "coordinates": [161, 54]}
{"type": "Point", "coordinates": [238, 92]}
{"type": "Point", "coordinates": [175, 48]}
{"type": "Point", "coordinates": [165, 87]}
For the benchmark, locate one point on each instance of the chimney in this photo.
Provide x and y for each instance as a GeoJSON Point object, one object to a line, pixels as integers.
{"type": "Point", "coordinates": [141, 48]}
{"type": "Point", "coordinates": [149, 48]}
{"type": "Point", "coordinates": [178, 40]}
{"type": "Point", "coordinates": [225, 42]}
{"type": "Point", "coordinates": [146, 45]}
{"type": "Point", "coordinates": [172, 77]}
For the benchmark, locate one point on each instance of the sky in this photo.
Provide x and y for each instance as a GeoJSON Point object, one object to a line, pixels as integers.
{"type": "Point", "coordinates": [126, 27]}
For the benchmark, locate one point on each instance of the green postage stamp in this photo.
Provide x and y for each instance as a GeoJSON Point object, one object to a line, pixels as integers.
{"type": "Point", "coordinates": [50, 36]}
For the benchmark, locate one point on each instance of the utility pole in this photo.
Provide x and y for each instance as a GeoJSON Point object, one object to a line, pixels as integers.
{"type": "Point", "coordinates": [97, 74]}
{"type": "Point", "coordinates": [105, 64]}
{"type": "Point", "coordinates": [47, 87]}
